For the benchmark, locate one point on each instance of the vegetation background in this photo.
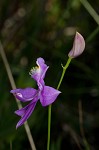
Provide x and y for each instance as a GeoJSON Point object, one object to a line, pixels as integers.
{"type": "Point", "coordinates": [46, 28]}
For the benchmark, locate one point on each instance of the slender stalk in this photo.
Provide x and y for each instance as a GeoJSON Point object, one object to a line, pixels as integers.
{"type": "Point", "coordinates": [49, 126]}
{"type": "Point", "coordinates": [11, 79]}
{"type": "Point", "coordinates": [92, 35]}
{"type": "Point", "coordinates": [63, 73]}
{"type": "Point", "coordinates": [81, 126]}
{"type": "Point", "coordinates": [50, 106]}
{"type": "Point", "coordinates": [10, 145]}
{"type": "Point", "coordinates": [91, 11]}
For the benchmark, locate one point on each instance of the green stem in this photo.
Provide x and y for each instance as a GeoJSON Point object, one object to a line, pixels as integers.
{"type": "Point", "coordinates": [11, 79]}
{"type": "Point", "coordinates": [49, 107]}
{"type": "Point", "coordinates": [91, 11]}
{"type": "Point", "coordinates": [93, 34]}
{"type": "Point", "coordinates": [49, 126]}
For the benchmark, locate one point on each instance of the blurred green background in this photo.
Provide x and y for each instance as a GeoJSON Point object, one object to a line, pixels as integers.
{"type": "Point", "coordinates": [46, 28]}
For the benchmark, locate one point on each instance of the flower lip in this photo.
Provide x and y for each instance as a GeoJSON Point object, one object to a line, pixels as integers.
{"type": "Point", "coordinates": [39, 71]}
{"type": "Point", "coordinates": [33, 70]}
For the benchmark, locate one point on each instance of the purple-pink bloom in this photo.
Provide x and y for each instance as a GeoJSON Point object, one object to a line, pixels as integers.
{"type": "Point", "coordinates": [46, 94]}
{"type": "Point", "coordinates": [78, 46]}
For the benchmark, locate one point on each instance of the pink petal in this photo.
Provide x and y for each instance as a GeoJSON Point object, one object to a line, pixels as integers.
{"type": "Point", "coordinates": [40, 62]}
{"type": "Point", "coordinates": [48, 95]}
{"type": "Point", "coordinates": [25, 113]}
{"type": "Point", "coordinates": [25, 95]}
{"type": "Point", "coordinates": [22, 111]}
{"type": "Point", "coordinates": [78, 46]}
{"type": "Point", "coordinates": [39, 72]}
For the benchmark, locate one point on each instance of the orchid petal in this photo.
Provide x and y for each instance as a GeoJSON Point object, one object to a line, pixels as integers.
{"type": "Point", "coordinates": [48, 95]}
{"type": "Point", "coordinates": [25, 95]}
{"type": "Point", "coordinates": [41, 63]}
{"type": "Point", "coordinates": [78, 46]}
{"type": "Point", "coordinates": [22, 111]}
{"type": "Point", "coordinates": [25, 114]}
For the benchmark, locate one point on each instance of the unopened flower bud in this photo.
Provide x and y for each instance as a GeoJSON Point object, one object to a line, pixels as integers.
{"type": "Point", "coordinates": [78, 46]}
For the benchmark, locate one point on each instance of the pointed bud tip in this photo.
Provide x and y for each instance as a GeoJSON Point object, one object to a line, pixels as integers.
{"type": "Point", "coordinates": [78, 46]}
